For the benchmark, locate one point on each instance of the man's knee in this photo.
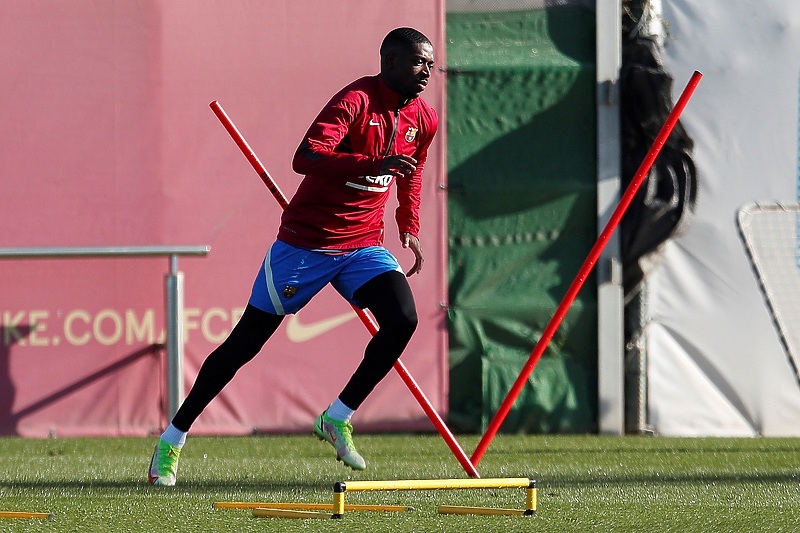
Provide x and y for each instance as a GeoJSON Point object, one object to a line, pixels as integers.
{"type": "Point", "coordinates": [402, 325]}
{"type": "Point", "coordinates": [389, 298]}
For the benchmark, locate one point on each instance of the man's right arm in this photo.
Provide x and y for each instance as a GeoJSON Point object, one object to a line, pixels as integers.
{"type": "Point", "coordinates": [322, 151]}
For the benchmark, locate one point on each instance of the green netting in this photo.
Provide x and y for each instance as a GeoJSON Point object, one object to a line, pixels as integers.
{"type": "Point", "coordinates": [522, 214]}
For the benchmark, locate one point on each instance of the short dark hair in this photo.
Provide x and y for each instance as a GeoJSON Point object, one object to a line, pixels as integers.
{"type": "Point", "coordinates": [404, 38]}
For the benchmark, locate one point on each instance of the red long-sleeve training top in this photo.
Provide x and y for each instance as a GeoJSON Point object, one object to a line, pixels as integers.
{"type": "Point", "coordinates": [341, 201]}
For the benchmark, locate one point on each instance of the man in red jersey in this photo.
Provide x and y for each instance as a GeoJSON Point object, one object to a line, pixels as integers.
{"type": "Point", "coordinates": [372, 134]}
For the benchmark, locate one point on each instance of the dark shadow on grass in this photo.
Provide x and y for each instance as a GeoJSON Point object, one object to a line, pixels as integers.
{"type": "Point", "coordinates": [670, 479]}
{"type": "Point", "coordinates": [278, 486]}
{"type": "Point", "coordinates": [187, 486]}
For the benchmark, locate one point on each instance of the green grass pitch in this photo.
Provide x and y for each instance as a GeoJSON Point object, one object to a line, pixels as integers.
{"type": "Point", "coordinates": [586, 483]}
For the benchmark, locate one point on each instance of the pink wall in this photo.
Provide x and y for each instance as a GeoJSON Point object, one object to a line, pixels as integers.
{"type": "Point", "coordinates": [106, 138]}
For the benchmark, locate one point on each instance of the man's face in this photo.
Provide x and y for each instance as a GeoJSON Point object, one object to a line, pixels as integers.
{"type": "Point", "coordinates": [407, 71]}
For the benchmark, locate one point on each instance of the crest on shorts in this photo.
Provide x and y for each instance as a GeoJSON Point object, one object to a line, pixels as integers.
{"type": "Point", "coordinates": [289, 291]}
{"type": "Point", "coordinates": [411, 134]}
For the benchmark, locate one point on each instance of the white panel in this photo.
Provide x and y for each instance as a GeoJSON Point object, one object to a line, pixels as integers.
{"type": "Point", "coordinates": [716, 365]}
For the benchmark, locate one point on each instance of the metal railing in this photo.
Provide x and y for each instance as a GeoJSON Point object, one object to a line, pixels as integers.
{"type": "Point", "coordinates": [173, 290]}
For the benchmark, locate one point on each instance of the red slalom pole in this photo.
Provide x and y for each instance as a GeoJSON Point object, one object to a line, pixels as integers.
{"type": "Point", "coordinates": [584, 271]}
{"type": "Point", "coordinates": [366, 318]}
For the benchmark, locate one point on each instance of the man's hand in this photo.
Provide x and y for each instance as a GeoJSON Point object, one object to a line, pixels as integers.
{"type": "Point", "coordinates": [398, 165]}
{"type": "Point", "coordinates": [410, 241]}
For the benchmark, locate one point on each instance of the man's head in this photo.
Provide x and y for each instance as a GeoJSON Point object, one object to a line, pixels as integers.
{"type": "Point", "coordinates": [406, 61]}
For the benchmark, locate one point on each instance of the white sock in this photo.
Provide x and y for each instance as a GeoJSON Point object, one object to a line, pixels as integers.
{"type": "Point", "coordinates": [174, 436]}
{"type": "Point", "coordinates": [339, 411]}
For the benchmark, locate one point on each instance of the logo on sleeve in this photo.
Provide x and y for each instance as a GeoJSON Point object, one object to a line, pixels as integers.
{"type": "Point", "coordinates": [411, 134]}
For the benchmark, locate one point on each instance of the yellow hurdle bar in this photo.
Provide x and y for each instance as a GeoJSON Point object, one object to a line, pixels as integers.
{"type": "Point", "coordinates": [20, 514]}
{"type": "Point", "coordinates": [309, 506]}
{"type": "Point", "coordinates": [436, 484]}
{"type": "Point", "coordinates": [289, 513]}
{"type": "Point", "coordinates": [341, 487]}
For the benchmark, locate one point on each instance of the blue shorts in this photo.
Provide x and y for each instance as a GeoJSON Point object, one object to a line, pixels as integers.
{"type": "Point", "coordinates": [291, 276]}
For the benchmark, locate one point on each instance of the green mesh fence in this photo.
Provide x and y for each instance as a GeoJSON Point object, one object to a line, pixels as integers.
{"type": "Point", "coordinates": [522, 215]}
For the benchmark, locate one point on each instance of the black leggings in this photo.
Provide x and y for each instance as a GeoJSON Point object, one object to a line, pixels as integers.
{"type": "Point", "coordinates": [387, 296]}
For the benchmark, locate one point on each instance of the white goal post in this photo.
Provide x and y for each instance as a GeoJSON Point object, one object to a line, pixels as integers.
{"type": "Point", "coordinates": [771, 236]}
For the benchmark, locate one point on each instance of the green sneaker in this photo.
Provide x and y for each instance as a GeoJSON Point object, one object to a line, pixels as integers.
{"type": "Point", "coordinates": [164, 464]}
{"type": "Point", "coordinates": [339, 434]}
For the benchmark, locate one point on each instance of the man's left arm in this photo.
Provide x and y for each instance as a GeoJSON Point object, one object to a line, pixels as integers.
{"type": "Point", "coordinates": [409, 194]}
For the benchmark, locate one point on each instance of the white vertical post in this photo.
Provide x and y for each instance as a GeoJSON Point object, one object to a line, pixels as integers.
{"type": "Point", "coordinates": [610, 307]}
{"type": "Point", "coordinates": [174, 294]}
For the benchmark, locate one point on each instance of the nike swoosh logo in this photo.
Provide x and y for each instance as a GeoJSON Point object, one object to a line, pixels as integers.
{"type": "Point", "coordinates": [300, 332]}
{"type": "Point", "coordinates": [373, 122]}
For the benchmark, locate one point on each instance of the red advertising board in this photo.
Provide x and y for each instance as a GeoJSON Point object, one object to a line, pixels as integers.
{"type": "Point", "coordinates": [107, 139]}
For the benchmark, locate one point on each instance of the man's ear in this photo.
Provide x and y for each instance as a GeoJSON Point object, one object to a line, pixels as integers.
{"type": "Point", "coordinates": [389, 59]}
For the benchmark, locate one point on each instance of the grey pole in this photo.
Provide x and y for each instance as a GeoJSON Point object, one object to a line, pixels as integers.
{"type": "Point", "coordinates": [175, 331]}
{"type": "Point", "coordinates": [611, 393]}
